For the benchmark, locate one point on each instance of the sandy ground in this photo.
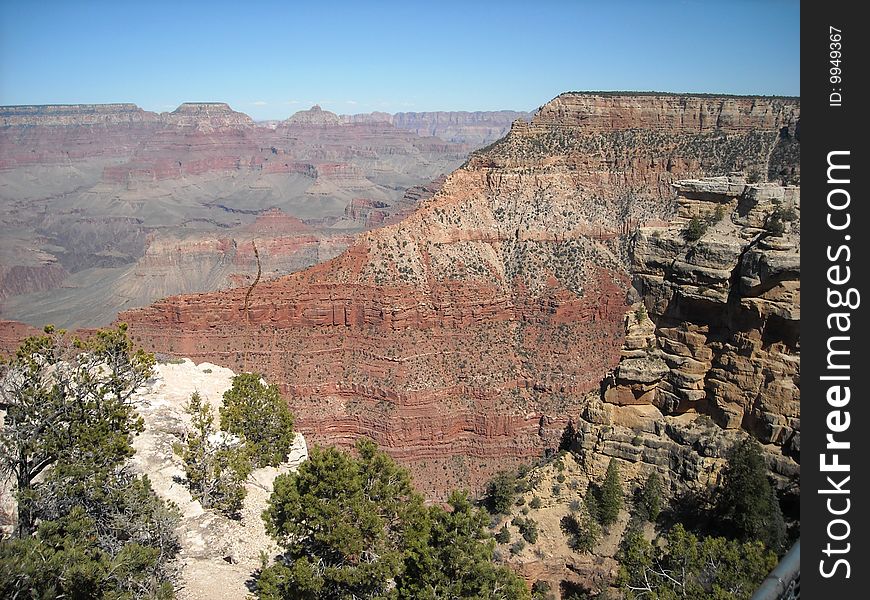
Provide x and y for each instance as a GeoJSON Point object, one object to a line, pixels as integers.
{"type": "Point", "coordinates": [218, 555]}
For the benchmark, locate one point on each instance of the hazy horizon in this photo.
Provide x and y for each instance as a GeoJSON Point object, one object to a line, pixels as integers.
{"type": "Point", "coordinates": [392, 57]}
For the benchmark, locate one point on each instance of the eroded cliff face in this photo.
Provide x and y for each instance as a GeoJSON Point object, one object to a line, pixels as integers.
{"type": "Point", "coordinates": [712, 350]}
{"type": "Point", "coordinates": [107, 207]}
{"type": "Point", "coordinates": [32, 135]}
{"type": "Point", "coordinates": [475, 128]}
{"type": "Point", "coordinates": [464, 337]}
{"type": "Point", "coordinates": [727, 311]}
{"type": "Point", "coordinates": [711, 355]}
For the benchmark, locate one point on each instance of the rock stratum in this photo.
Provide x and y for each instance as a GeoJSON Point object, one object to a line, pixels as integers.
{"type": "Point", "coordinates": [464, 337]}
{"type": "Point", "coordinates": [711, 355]}
{"type": "Point", "coordinates": [108, 207]}
{"type": "Point", "coordinates": [476, 128]}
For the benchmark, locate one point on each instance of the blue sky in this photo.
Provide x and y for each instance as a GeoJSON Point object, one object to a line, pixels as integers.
{"type": "Point", "coordinates": [270, 59]}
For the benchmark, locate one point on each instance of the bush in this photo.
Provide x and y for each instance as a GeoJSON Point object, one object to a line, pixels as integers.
{"type": "Point", "coordinates": [215, 464]}
{"type": "Point", "coordinates": [778, 218]}
{"type": "Point", "coordinates": [541, 590]}
{"type": "Point", "coordinates": [500, 493]}
{"type": "Point", "coordinates": [640, 314]}
{"type": "Point", "coordinates": [256, 413]}
{"type": "Point", "coordinates": [517, 547]}
{"type": "Point", "coordinates": [535, 503]}
{"type": "Point", "coordinates": [775, 226]}
{"type": "Point", "coordinates": [695, 229]}
{"type": "Point", "coordinates": [503, 536]}
{"type": "Point", "coordinates": [528, 528]}
{"type": "Point", "coordinates": [786, 214]}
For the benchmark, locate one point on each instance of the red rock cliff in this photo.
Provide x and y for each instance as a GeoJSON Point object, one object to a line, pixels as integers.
{"type": "Point", "coordinates": [462, 337]}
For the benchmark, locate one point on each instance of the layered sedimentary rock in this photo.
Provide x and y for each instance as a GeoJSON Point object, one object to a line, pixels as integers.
{"type": "Point", "coordinates": [475, 128]}
{"type": "Point", "coordinates": [313, 116]}
{"type": "Point", "coordinates": [106, 207]}
{"type": "Point", "coordinates": [206, 116]}
{"type": "Point", "coordinates": [726, 308]}
{"type": "Point", "coordinates": [22, 272]}
{"type": "Point", "coordinates": [63, 133]}
{"type": "Point", "coordinates": [463, 337]}
{"type": "Point", "coordinates": [710, 357]}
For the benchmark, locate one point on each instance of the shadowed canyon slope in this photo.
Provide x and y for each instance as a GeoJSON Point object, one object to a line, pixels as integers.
{"type": "Point", "coordinates": [464, 337]}
{"type": "Point", "coordinates": [107, 207]}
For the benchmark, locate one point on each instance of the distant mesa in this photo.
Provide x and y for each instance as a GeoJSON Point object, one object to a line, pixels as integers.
{"type": "Point", "coordinates": [199, 108]}
{"type": "Point", "coordinates": [74, 114]}
{"type": "Point", "coordinates": [206, 115]}
{"type": "Point", "coordinates": [314, 116]}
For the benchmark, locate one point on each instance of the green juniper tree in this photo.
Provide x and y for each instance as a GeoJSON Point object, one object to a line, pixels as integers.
{"type": "Point", "coordinates": [695, 229]}
{"type": "Point", "coordinates": [500, 493]}
{"type": "Point", "coordinates": [353, 527]}
{"type": "Point", "coordinates": [343, 523]}
{"type": "Point", "coordinates": [87, 527]}
{"type": "Point", "coordinates": [216, 465]}
{"type": "Point", "coordinates": [68, 403]}
{"type": "Point", "coordinates": [692, 568]}
{"type": "Point", "coordinates": [452, 557]}
{"type": "Point", "coordinates": [650, 497]}
{"type": "Point", "coordinates": [256, 413]}
{"type": "Point", "coordinates": [581, 529]}
{"type": "Point", "coordinates": [746, 503]}
{"type": "Point", "coordinates": [610, 501]}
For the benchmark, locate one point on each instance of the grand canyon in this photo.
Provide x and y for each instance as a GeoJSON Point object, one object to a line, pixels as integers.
{"type": "Point", "coordinates": [472, 291]}
{"type": "Point", "coordinates": [109, 207]}
{"type": "Point", "coordinates": [465, 336]}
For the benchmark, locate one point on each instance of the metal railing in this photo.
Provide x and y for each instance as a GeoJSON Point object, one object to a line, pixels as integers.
{"type": "Point", "coordinates": [784, 582]}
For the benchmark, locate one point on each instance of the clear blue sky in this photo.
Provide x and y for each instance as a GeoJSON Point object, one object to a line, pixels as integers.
{"type": "Point", "coordinates": [270, 59]}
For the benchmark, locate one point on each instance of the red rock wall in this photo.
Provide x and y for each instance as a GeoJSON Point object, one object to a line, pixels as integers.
{"type": "Point", "coordinates": [463, 337]}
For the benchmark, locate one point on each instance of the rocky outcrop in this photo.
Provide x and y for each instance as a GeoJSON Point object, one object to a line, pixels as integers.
{"type": "Point", "coordinates": [217, 555]}
{"type": "Point", "coordinates": [79, 115]}
{"type": "Point", "coordinates": [313, 116]}
{"type": "Point", "coordinates": [26, 278]}
{"type": "Point", "coordinates": [636, 146]}
{"type": "Point", "coordinates": [726, 308]}
{"type": "Point", "coordinates": [206, 116]}
{"type": "Point", "coordinates": [463, 337]}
